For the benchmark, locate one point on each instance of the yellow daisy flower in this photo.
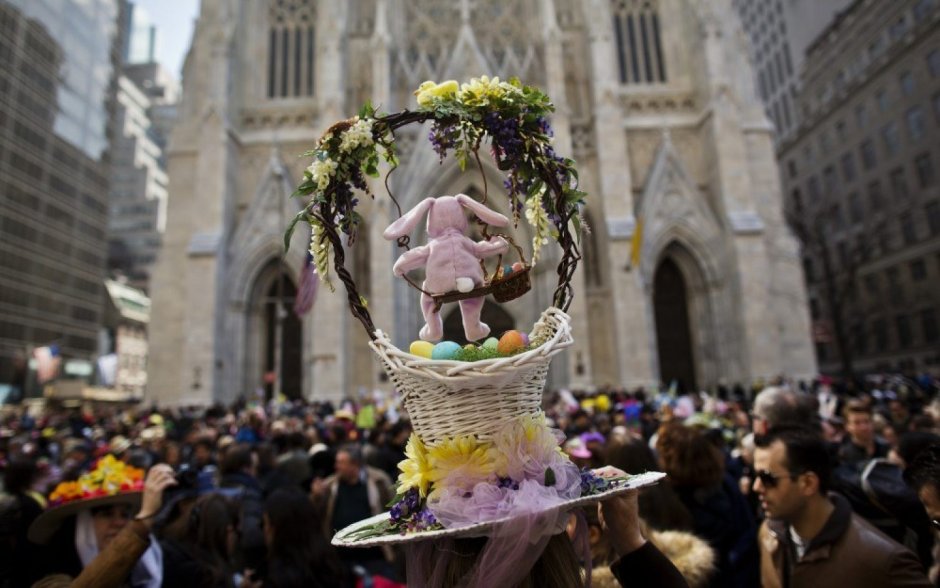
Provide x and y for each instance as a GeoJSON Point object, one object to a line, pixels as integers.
{"type": "Point", "coordinates": [415, 469]}
{"type": "Point", "coordinates": [461, 462]}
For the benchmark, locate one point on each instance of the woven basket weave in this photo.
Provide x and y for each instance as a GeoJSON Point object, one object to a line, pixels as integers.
{"type": "Point", "coordinates": [446, 398]}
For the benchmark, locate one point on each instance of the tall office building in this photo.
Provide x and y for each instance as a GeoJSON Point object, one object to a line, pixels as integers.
{"type": "Point", "coordinates": [147, 96]}
{"type": "Point", "coordinates": [779, 32]}
{"type": "Point", "coordinates": [57, 72]}
{"type": "Point", "coordinates": [862, 187]}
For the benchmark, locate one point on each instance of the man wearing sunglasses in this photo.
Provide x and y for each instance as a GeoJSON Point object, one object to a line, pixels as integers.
{"type": "Point", "coordinates": [813, 539]}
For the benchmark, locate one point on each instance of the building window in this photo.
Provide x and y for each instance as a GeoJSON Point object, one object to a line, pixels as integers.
{"type": "Point", "coordinates": [907, 83]}
{"type": "Point", "coordinates": [855, 207]}
{"type": "Point", "coordinates": [928, 325]}
{"type": "Point", "coordinates": [915, 123]}
{"type": "Point", "coordinates": [861, 116]}
{"type": "Point", "coordinates": [924, 166]}
{"type": "Point", "coordinates": [897, 30]}
{"type": "Point", "coordinates": [858, 337]}
{"type": "Point", "coordinates": [639, 44]}
{"type": "Point", "coordinates": [892, 138]}
{"type": "Point", "coordinates": [884, 103]}
{"type": "Point", "coordinates": [813, 189]}
{"type": "Point", "coordinates": [869, 156]}
{"type": "Point", "coordinates": [933, 63]}
{"type": "Point", "coordinates": [830, 181]}
{"type": "Point", "coordinates": [922, 9]}
{"type": "Point", "coordinates": [880, 330]}
{"type": "Point", "coordinates": [894, 285]}
{"type": "Point", "coordinates": [808, 269]}
{"type": "Point", "coordinates": [840, 130]}
{"type": "Point", "coordinates": [898, 183]}
{"type": "Point", "coordinates": [797, 199]}
{"type": "Point", "coordinates": [905, 336]}
{"type": "Point", "coordinates": [848, 167]}
{"type": "Point", "coordinates": [933, 218]}
{"type": "Point", "coordinates": [291, 49]}
{"type": "Point", "coordinates": [918, 270]}
{"type": "Point", "coordinates": [871, 284]}
{"type": "Point", "coordinates": [907, 229]}
{"type": "Point", "coordinates": [791, 168]}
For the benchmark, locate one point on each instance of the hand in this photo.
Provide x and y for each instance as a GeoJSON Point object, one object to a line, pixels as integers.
{"type": "Point", "coordinates": [620, 517]}
{"type": "Point", "coordinates": [159, 478]}
{"type": "Point", "coordinates": [248, 581]}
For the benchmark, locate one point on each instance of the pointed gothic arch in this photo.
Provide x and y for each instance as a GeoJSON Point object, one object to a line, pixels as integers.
{"type": "Point", "coordinates": [275, 333]}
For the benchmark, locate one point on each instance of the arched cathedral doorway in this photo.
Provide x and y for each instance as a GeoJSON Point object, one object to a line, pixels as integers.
{"type": "Point", "coordinates": [279, 332]}
{"type": "Point", "coordinates": [673, 330]}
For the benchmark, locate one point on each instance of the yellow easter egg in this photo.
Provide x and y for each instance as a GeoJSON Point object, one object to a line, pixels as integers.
{"type": "Point", "coordinates": [510, 342]}
{"type": "Point", "coordinates": [421, 349]}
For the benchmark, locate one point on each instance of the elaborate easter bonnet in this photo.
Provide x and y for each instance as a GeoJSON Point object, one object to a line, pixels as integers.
{"type": "Point", "coordinates": [482, 460]}
{"type": "Point", "coordinates": [109, 482]}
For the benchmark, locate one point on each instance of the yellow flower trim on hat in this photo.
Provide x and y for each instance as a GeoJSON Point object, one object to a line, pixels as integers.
{"type": "Point", "coordinates": [110, 477]}
{"type": "Point", "coordinates": [415, 470]}
{"type": "Point", "coordinates": [461, 462]}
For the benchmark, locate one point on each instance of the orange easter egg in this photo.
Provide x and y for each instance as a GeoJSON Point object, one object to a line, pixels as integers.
{"type": "Point", "coordinates": [510, 342]}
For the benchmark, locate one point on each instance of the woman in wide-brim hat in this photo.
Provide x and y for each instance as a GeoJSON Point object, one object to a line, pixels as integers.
{"type": "Point", "coordinates": [88, 533]}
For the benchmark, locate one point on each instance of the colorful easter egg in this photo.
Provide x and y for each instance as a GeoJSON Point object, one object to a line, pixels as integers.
{"type": "Point", "coordinates": [421, 349]}
{"type": "Point", "coordinates": [492, 343]}
{"type": "Point", "coordinates": [525, 337]}
{"type": "Point", "coordinates": [518, 267]}
{"type": "Point", "coordinates": [510, 342]}
{"type": "Point", "coordinates": [469, 346]}
{"type": "Point", "coordinates": [507, 269]}
{"type": "Point", "coordinates": [445, 350]}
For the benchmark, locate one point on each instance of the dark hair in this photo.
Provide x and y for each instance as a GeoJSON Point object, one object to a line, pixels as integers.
{"type": "Point", "coordinates": [660, 506]}
{"type": "Point", "coordinates": [925, 469]}
{"type": "Point", "coordinates": [856, 407]}
{"type": "Point", "coordinates": [806, 451]}
{"type": "Point", "coordinates": [299, 554]}
{"type": "Point", "coordinates": [236, 459]}
{"type": "Point", "coordinates": [19, 476]}
{"type": "Point", "coordinates": [206, 537]}
{"type": "Point", "coordinates": [782, 406]}
{"type": "Point", "coordinates": [910, 444]}
{"type": "Point", "coordinates": [353, 451]}
{"type": "Point", "coordinates": [688, 457]}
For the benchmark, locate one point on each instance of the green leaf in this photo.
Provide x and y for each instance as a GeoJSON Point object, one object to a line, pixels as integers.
{"type": "Point", "coordinates": [367, 111]}
{"type": "Point", "coordinates": [290, 228]}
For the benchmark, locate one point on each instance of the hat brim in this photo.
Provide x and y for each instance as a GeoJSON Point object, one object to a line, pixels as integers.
{"type": "Point", "coordinates": [342, 538]}
{"type": "Point", "coordinates": [46, 524]}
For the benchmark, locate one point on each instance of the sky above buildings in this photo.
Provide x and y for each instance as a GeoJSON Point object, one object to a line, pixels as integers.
{"type": "Point", "coordinates": [174, 20]}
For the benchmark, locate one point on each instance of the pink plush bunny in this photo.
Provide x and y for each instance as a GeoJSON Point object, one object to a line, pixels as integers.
{"type": "Point", "coordinates": [452, 259]}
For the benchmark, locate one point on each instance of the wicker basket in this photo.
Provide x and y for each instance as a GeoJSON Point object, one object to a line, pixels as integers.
{"type": "Point", "coordinates": [450, 398]}
{"type": "Point", "coordinates": [511, 287]}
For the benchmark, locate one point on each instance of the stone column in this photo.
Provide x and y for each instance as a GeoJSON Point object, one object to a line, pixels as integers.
{"type": "Point", "coordinates": [633, 343]}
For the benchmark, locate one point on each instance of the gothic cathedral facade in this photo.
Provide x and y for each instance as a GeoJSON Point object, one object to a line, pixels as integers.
{"type": "Point", "coordinates": [654, 99]}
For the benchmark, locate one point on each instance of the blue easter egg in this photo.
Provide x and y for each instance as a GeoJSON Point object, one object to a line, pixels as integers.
{"type": "Point", "coordinates": [445, 350]}
{"type": "Point", "coordinates": [507, 269]}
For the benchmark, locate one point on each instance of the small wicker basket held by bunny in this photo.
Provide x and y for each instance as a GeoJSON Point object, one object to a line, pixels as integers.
{"type": "Point", "coordinates": [460, 410]}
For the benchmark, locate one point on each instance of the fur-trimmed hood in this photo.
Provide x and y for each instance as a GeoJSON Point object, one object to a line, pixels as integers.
{"type": "Point", "coordinates": [694, 558]}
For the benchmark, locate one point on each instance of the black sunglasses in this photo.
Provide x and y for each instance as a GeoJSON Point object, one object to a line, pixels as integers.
{"type": "Point", "coordinates": [769, 480]}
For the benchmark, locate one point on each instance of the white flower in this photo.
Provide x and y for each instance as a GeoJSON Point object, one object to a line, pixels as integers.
{"type": "Point", "coordinates": [360, 133]}
{"type": "Point", "coordinates": [538, 219]}
{"type": "Point", "coordinates": [321, 171]}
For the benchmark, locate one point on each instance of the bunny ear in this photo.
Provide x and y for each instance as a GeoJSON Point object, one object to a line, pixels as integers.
{"type": "Point", "coordinates": [407, 222]}
{"type": "Point", "coordinates": [490, 217]}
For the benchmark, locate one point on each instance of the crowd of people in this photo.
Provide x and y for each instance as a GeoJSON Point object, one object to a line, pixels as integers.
{"type": "Point", "coordinates": [789, 485]}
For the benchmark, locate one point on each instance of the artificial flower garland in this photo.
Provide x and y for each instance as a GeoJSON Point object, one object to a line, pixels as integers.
{"type": "Point", "coordinates": [109, 477]}
{"type": "Point", "coordinates": [513, 116]}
